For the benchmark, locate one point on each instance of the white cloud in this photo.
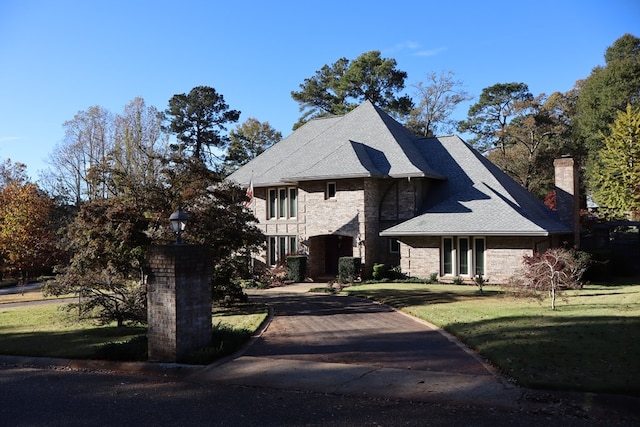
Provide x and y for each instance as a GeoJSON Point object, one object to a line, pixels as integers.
{"type": "Point", "coordinates": [430, 52]}
{"type": "Point", "coordinates": [414, 48]}
{"type": "Point", "coordinates": [4, 139]}
{"type": "Point", "coordinates": [406, 45]}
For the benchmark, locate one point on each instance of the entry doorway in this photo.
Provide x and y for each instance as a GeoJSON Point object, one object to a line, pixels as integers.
{"type": "Point", "coordinates": [334, 248]}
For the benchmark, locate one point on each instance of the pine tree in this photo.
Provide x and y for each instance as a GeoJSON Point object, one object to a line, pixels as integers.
{"type": "Point", "coordinates": [615, 179]}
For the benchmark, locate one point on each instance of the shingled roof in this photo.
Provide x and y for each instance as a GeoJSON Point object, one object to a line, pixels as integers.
{"type": "Point", "coordinates": [470, 195]}
{"type": "Point", "coordinates": [366, 142]}
{"type": "Point", "coordinates": [476, 199]}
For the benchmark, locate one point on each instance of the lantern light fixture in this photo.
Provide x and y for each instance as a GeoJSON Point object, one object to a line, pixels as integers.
{"type": "Point", "coordinates": [179, 220]}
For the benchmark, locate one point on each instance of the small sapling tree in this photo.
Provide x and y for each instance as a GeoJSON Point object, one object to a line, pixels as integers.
{"type": "Point", "coordinates": [550, 273]}
{"type": "Point", "coordinates": [480, 281]}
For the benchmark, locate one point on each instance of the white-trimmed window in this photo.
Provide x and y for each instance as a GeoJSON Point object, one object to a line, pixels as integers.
{"type": "Point", "coordinates": [282, 203]}
{"type": "Point", "coordinates": [479, 251]}
{"type": "Point", "coordinates": [278, 247]}
{"type": "Point", "coordinates": [331, 191]}
{"type": "Point", "coordinates": [463, 256]}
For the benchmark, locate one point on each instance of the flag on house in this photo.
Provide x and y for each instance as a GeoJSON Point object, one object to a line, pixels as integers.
{"type": "Point", "coordinates": [249, 194]}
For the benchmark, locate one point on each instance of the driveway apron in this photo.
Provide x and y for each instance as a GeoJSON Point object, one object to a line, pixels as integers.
{"type": "Point", "coordinates": [349, 345]}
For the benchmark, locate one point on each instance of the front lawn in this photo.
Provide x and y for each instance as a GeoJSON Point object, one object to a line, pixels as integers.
{"type": "Point", "coordinates": [48, 331]}
{"type": "Point", "coordinates": [590, 343]}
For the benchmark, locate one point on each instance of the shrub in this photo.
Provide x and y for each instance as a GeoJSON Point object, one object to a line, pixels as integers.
{"type": "Point", "coordinates": [382, 272]}
{"type": "Point", "coordinates": [225, 341]}
{"type": "Point", "coordinates": [224, 288]}
{"type": "Point", "coordinates": [433, 278]}
{"type": "Point", "coordinates": [348, 269]}
{"type": "Point", "coordinates": [379, 271]}
{"type": "Point", "coordinates": [296, 268]}
{"type": "Point", "coordinates": [274, 276]}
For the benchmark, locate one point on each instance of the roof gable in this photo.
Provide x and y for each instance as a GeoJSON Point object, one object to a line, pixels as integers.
{"type": "Point", "coordinates": [366, 142]}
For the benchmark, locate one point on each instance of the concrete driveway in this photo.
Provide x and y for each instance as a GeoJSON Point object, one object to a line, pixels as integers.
{"type": "Point", "coordinates": [347, 345]}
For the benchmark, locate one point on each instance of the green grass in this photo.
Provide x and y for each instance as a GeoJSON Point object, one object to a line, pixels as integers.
{"type": "Point", "coordinates": [49, 331]}
{"type": "Point", "coordinates": [590, 343]}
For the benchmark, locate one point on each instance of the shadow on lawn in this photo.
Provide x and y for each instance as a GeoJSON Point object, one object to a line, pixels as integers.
{"type": "Point", "coordinates": [596, 354]}
{"type": "Point", "coordinates": [77, 344]}
{"type": "Point", "coordinates": [415, 297]}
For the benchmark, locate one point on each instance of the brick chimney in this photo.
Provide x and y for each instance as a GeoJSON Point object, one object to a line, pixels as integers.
{"type": "Point", "coordinates": [567, 192]}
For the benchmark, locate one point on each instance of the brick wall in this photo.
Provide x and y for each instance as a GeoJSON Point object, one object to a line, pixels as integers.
{"type": "Point", "coordinates": [178, 300]}
{"type": "Point", "coordinates": [420, 256]}
{"type": "Point", "coordinates": [504, 256]}
{"type": "Point", "coordinates": [359, 210]}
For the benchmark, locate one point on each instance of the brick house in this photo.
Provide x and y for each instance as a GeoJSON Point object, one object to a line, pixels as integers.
{"type": "Point", "coordinates": [363, 185]}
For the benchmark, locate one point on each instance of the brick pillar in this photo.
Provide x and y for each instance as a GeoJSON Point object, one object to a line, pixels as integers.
{"type": "Point", "coordinates": [178, 300]}
{"type": "Point", "coordinates": [567, 192]}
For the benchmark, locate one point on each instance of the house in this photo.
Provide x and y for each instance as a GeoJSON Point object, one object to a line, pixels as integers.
{"type": "Point", "coordinates": [363, 185]}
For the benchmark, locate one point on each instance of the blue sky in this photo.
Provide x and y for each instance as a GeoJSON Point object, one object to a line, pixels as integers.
{"type": "Point", "coordinates": [60, 57]}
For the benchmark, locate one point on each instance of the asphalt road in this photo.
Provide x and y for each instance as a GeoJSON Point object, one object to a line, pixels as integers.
{"type": "Point", "coordinates": [57, 397]}
{"type": "Point", "coordinates": [29, 287]}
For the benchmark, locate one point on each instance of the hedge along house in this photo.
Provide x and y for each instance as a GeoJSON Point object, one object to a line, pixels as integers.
{"type": "Point", "coordinates": [363, 185]}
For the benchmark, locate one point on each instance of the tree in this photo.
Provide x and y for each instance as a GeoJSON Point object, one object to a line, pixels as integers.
{"type": "Point", "coordinates": [615, 177]}
{"type": "Point", "coordinates": [139, 143]}
{"type": "Point", "coordinates": [107, 241]}
{"type": "Point", "coordinates": [488, 118]}
{"type": "Point", "coordinates": [437, 98]}
{"type": "Point", "coordinates": [372, 78]}
{"type": "Point", "coordinates": [12, 172]}
{"type": "Point", "coordinates": [87, 141]}
{"type": "Point", "coordinates": [550, 273]}
{"type": "Point", "coordinates": [537, 133]}
{"type": "Point", "coordinates": [219, 220]}
{"type": "Point", "coordinates": [249, 140]}
{"type": "Point", "coordinates": [197, 119]}
{"type": "Point", "coordinates": [607, 90]}
{"type": "Point", "coordinates": [338, 88]}
{"type": "Point", "coordinates": [27, 236]}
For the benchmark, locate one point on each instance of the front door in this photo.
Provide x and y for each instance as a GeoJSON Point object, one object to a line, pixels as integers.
{"type": "Point", "coordinates": [334, 248]}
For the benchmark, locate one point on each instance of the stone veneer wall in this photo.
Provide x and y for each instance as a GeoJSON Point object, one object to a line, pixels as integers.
{"type": "Point", "coordinates": [178, 300]}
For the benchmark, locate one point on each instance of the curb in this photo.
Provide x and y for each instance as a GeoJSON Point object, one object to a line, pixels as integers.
{"type": "Point", "coordinates": [175, 370]}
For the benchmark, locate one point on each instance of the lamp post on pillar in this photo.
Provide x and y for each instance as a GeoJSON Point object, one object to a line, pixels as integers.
{"type": "Point", "coordinates": [178, 296]}
{"type": "Point", "coordinates": [179, 220]}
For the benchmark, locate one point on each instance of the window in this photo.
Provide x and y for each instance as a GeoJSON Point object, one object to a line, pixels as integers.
{"type": "Point", "coordinates": [282, 248]}
{"type": "Point", "coordinates": [279, 246]}
{"type": "Point", "coordinates": [478, 252]}
{"type": "Point", "coordinates": [282, 198]}
{"type": "Point", "coordinates": [272, 251]}
{"type": "Point", "coordinates": [394, 246]}
{"type": "Point", "coordinates": [447, 256]}
{"type": "Point", "coordinates": [273, 199]}
{"type": "Point", "coordinates": [331, 190]}
{"type": "Point", "coordinates": [463, 256]}
{"type": "Point", "coordinates": [282, 203]}
{"type": "Point", "coordinates": [293, 202]}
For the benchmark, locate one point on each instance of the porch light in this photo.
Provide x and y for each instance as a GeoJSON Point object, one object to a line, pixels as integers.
{"type": "Point", "coordinates": [179, 220]}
